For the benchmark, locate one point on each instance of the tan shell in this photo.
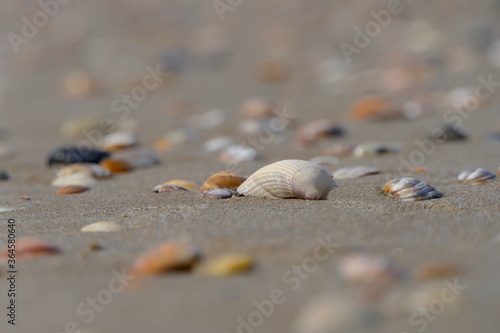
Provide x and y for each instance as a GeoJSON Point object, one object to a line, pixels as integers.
{"type": "Point", "coordinates": [476, 176]}
{"type": "Point", "coordinates": [29, 248]}
{"type": "Point", "coordinates": [101, 226]}
{"type": "Point", "coordinates": [115, 166]}
{"type": "Point", "coordinates": [184, 183]}
{"type": "Point", "coordinates": [411, 189]}
{"type": "Point", "coordinates": [289, 179]}
{"type": "Point", "coordinates": [179, 255]}
{"type": "Point", "coordinates": [71, 189]}
{"type": "Point", "coordinates": [118, 141]}
{"type": "Point", "coordinates": [228, 264]}
{"type": "Point", "coordinates": [78, 178]}
{"type": "Point", "coordinates": [78, 84]}
{"type": "Point", "coordinates": [93, 170]}
{"type": "Point", "coordinates": [316, 130]}
{"type": "Point", "coordinates": [223, 179]}
{"type": "Point", "coordinates": [374, 107]}
{"type": "Point", "coordinates": [354, 172]}
{"type": "Point", "coordinates": [257, 107]}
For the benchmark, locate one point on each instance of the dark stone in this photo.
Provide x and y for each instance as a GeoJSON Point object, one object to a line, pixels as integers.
{"type": "Point", "coordinates": [4, 175]}
{"type": "Point", "coordinates": [73, 154]}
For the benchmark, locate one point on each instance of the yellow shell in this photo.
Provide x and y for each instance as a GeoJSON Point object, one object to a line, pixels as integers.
{"type": "Point", "coordinates": [228, 264]}
{"type": "Point", "coordinates": [183, 183]}
{"type": "Point", "coordinates": [289, 179]}
{"type": "Point", "coordinates": [223, 179]}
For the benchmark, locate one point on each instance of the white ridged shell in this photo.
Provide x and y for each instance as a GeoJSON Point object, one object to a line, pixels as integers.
{"type": "Point", "coordinates": [289, 179]}
{"type": "Point", "coordinates": [411, 189]}
{"type": "Point", "coordinates": [475, 176]}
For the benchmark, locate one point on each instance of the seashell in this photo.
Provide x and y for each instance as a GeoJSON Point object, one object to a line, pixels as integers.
{"type": "Point", "coordinates": [183, 183]}
{"type": "Point", "coordinates": [7, 151]}
{"type": "Point", "coordinates": [236, 154]}
{"type": "Point", "coordinates": [273, 70]}
{"type": "Point", "coordinates": [419, 169]}
{"type": "Point", "coordinates": [436, 271]}
{"type": "Point", "coordinates": [328, 160]}
{"type": "Point", "coordinates": [102, 226]}
{"type": "Point", "coordinates": [4, 175]}
{"type": "Point", "coordinates": [118, 141]}
{"type": "Point", "coordinates": [411, 189]}
{"type": "Point", "coordinates": [418, 106]}
{"type": "Point", "coordinates": [218, 143]}
{"type": "Point", "coordinates": [71, 189]}
{"type": "Point", "coordinates": [76, 178]}
{"type": "Point", "coordinates": [372, 149]}
{"type": "Point", "coordinates": [374, 107]}
{"type": "Point", "coordinates": [368, 269]}
{"type": "Point", "coordinates": [463, 98]}
{"type": "Point", "coordinates": [256, 107]}
{"type": "Point", "coordinates": [289, 179]}
{"type": "Point", "coordinates": [115, 165]}
{"type": "Point", "coordinates": [29, 248]}
{"type": "Point", "coordinates": [78, 84]}
{"type": "Point", "coordinates": [354, 172]}
{"type": "Point", "coordinates": [316, 130]}
{"type": "Point", "coordinates": [137, 157]}
{"type": "Point", "coordinates": [498, 171]}
{"type": "Point", "coordinates": [340, 150]}
{"type": "Point", "coordinates": [162, 144]}
{"type": "Point", "coordinates": [223, 179]}
{"type": "Point", "coordinates": [93, 170]}
{"type": "Point", "coordinates": [475, 176]}
{"type": "Point", "coordinates": [208, 119]}
{"type": "Point", "coordinates": [165, 188]}
{"type": "Point", "coordinates": [73, 154]}
{"type": "Point", "coordinates": [168, 256]}
{"type": "Point", "coordinates": [219, 193]}
{"type": "Point", "coordinates": [228, 264]}
{"type": "Point", "coordinates": [79, 126]}
{"type": "Point", "coordinates": [182, 136]}
{"type": "Point", "coordinates": [448, 133]}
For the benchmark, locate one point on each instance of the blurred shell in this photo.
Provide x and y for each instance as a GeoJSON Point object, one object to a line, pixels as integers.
{"type": "Point", "coordinates": [340, 150]}
{"type": "Point", "coordinates": [289, 179]}
{"type": "Point", "coordinates": [372, 149]}
{"type": "Point", "coordinates": [4, 175]}
{"type": "Point", "coordinates": [463, 98]}
{"type": "Point", "coordinates": [228, 264]}
{"type": "Point", "coordinates": [223, 179]}
{"type": "Point", "coordinates": [118, 141]}
{"type": "Point", "coordinates": [137, 157]}
{"type": "Point", "coordinates": [354, 172]}
{"type": "Point", "coordinates": [78, 126]}
{"type": "Point", "coordinates": [162, 144]}
{"type": "Point", "coordinates": [374, 108]}
{"type": "Point", "coordinates": [6, 151]}
{"type": "Point", "coordinates": [448, 133]}
{"type": "Point", "coordinates": [218, 143]}
{"type": "Point", "coordinates": [166, 188]}
{"type": "Point", "coordinates": [411, 189]}
{"type": "Point", "coordinates": [273, 70]}
{"type": "Point", "coordinates": [209, 119]}
{"type": "Point", "coordinates": [102, 226]}
{"type": "Point", "coordinates": [493, 53]}
{"type": "Point", "coordinates": [182, 135]}
{"type": "Point", "coordinates": [419, 169]}
{"type": "Point", "coordinates": [364, 269]}
{"type": "Point", "coordinates": [75, 178]}
{"type": "Point", "coordinates": [219, 193]}
{"type": "Point", "coordinates": [256, 107]}
{"type": "Point", "coordinates": [115, 165]}
{"type": "Point", "coordinates": [475, 176]}
{"type": "Point", "coordinates": [30, 247]}
{"type": "Point", "coordinates": [90, 169]}
{"type": "Point", "coordinates": [71, 189]}
{"type": "Point", "coordinates": [78, 84]}
{"type": "Point", "coordinates": [168, 256]}
{"type": "Point", "coordinates": [436, 271]}
{"type": "Point", "coordinates": [237, 154]}
{"type": "Point", "coordinates": [498, 171]}
{"type": "Point", "coordinates": [184, 183]}
{"type": "Point", "coordinates": [316, 130]}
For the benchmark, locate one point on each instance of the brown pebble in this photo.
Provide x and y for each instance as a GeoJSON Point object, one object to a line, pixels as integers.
{"type": "Point", "coordinates": [29, 248]}
{"type": "Point", "coordinates": [223, 179]}
{"type": "Point", "coordinates": [168, 256]}
{"type": "Point", "coordinates": [71, 189]}
{"type": "Point", "coordinates": [115, 166]}
{"type": "Point", "coordinates": [436, 271]}
{"type": "Point", "coordinates": [94, 246]}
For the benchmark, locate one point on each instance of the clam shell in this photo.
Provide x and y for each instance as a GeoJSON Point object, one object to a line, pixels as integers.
{"type": "Point", "coordinates": [74, 154]}
{"type": "Point", "coordinates": [184, 183]}
{"type": "Point", "coordinates": [354, 172]}
{"type": "Point", "coordinates": [317, 130]}
{"type": "Point", "coordinates": [228, 264]}
{"type": "Point", "coordinates": [223, 179]}
{"type": "Point", "coordinates": [372, 149]}
{"type": "Point", "coordinates": [80, 174]}
{"type": "Point", "coordinates": [30, 247]}
{"type": "Point", "coordinates": [219, 193]}
{"type": "Point", "coordinates": [289, 179]}
{"type": "Point", "coordinates": [71, 189]}
{"type": "Point", "coordinates": [77, 178]}
{"type": "Point", "coordinates": [411, 189]}
{"type": "Point", "coordinates": [101, 226]}
{"type": "Point", "coordinates": [475, 176]}
{"type": "Point", "coordinates": [448, 133]}
{"type": "Point", "coordinates": [374, 107]}
{"type": "Point", "coordinates": [115, 166]}
{"type": "Point", "coordinates": [118, 141]}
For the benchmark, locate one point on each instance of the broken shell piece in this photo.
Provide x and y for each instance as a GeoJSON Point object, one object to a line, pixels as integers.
{"type": "Point", "coordinates": [273, 70]}
{"type": "Point", "coordinates": [71, 189]}
{"type": "Point", "coordinates": [354, 172]}
{"type": "Point", "coordinates": [289, 179]}
{"type": "Point", "coordinates": [228, 264]}
{"type": "Point", "coordinates": [374, 107]}
{"type": "Point", "coordinates": [372, 149]}
{"type": "Point", "coordinates": [118, 141]}
{"type": "Point", "coordinates": [115, 166]}
{"type": "Point", "coordinates": [29, 248]}
{"type": "Point", "coordinates": [169, 256]}
{"type": "Point", "coordinates": [475, 176]}
{"type": "Point", "coordinates": [411, 189]}
{"type": "Point", "coordinates": [463, 98]}
{"type": "Point", "coordinates": [223, 179]}
{"type": "Point", "coordinates": [237, 154]}
{"type": "Point", "coordinates": [102, 226]}
{"type": "Point", "coordinates": [137, 157]}
{"type": "Point", "coordinates": [219, 193]}
{"type": "Point", "coordinates": [166, 188]}
{"type": "Point", "coordinates": [316, 130]}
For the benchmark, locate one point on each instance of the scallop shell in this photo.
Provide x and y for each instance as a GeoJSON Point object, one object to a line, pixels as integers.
{"type": "Point", "coordinates": [411, 189]}
{"type": "Point", "coordinates": [223, 179]}
{"type": "Point", "coordinates": [354, 172]}
{"type": "Point", "coordinates": [289, 179]}
{"type": "Point", "coordinates": [475, 176]}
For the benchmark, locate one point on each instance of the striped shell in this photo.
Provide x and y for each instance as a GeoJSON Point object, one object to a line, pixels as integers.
{"type": "Point", "coordinates": [411, 189]}
{"type": "Point", "coordinates": [475, 176]}
{"type": "Point", "coordinates": [289, 179]}
{"type": "Point", "coordinates": [354, 172]}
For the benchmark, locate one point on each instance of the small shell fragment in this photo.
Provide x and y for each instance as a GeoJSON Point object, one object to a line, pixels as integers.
{"type": "Point", "coordinates": [168, 256]}
{"type": "Point", "coordinates": [167, 188]}
{"type": "Point", "coordinates": [102, 226]}
{"type": "Point", "coordinates": [29, 248]}
{"type": "Point", "coordinates": [219, 193]}
{"type": "Point", "coordinates": [411, 189]}
{"type": "Point", "coordinates": [289, 179]}
{"type": "Point", "coordinates": [71, 189]}
{"type": "Point", "coordinates": [228, 264]}
{"type": "Point", "coordinates": [78, 84]}
{"type": "Point", "coordinates": [223, 179]}
{"type": "Point", "coordinates": [366, 269]}
{"type": "Point", "coordinates": [256, 107]}
{"type": "Point", "coordinates": [217, 144]}
{"type": "Point", "coordinates": [354, 172]}
{"type": "Point", "coordinates": [475, 176]}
